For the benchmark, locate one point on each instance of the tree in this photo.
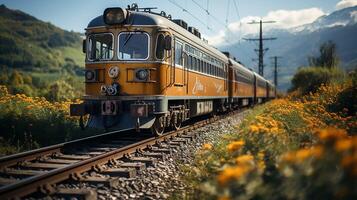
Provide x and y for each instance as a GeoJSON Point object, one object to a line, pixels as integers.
{"type": "Point", "coordinates": [328, 56]}
{"type": "Point", "coordinates": [16, 78]}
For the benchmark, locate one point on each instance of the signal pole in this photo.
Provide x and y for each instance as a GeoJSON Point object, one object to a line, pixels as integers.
{"type": "Point", "coordinates": [275, 58]}
{"type": "Point", "coordinates": [261, 51]}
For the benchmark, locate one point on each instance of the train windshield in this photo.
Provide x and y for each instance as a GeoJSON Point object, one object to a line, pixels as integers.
{"type": "Point", "coordinates": [100, 47]}
{"type": "Point", "coordinates": [133, 46]}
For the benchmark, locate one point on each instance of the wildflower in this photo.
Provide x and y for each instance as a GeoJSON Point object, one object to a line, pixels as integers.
{"type": "Point", "coordinates": [245, 160]}
{"type": "Point", "coordinates": [347, 161]}
{"type": "Point", "coordinates": [207, 146]}
{"type": "Point", "coordinates": [253, 128]}
{"type": "Point", "coordinates": [224, 198]}
{"type": "Point", "coordinates": [231, 173]}
{"type": "Point", "coordinates": [331, 134]}
{"type": "Point", "coordinates": [317, 151]}
{"type": "Point", "coordinates": [302, 154]}
{"type": "Point", "coordinates": [343, 145]}
{"type": "Point", "coordinates": [234, 146]}
{"type": "Point", "coordinates": [261, 165]}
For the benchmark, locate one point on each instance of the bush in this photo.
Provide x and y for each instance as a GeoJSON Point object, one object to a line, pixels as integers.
{"type": "Point", "coordinates": [308, 79]}
{"type": "Point", "coordinates": [30, 122]}
{"type": "Point", "coordinates": [346, 100]}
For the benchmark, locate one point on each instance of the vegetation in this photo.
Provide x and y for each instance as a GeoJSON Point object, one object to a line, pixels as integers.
{"type": "Point", "coordinates": [299, 147]}
{"type": "Point", "coordinates": [303, 146]}
{"type": "Point", "coordinates": [328, 56]}
{"type": "Point", "coordinates": [39, 59]}
{"type": "Point", "coordinates": [323, 69]}
{"type": "Point", "coordinates": [24, 120]}
{"type": "Point", "coordinates": [30, 44]}
{"type": "Point", "coordinates": [309, 79]}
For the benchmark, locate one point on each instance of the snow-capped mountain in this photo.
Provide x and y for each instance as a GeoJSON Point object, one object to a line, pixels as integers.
{"type": "Point", "coordinates": [344, 17]}
{"type": "Point", "coordinates": [297, 44]}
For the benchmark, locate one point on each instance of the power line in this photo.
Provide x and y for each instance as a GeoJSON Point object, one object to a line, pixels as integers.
{"type": "Point", "coordinates": [261, 51]}
{"type": "Point", "coordinates": [216, 19]}
{"type": "Point", "coordinates": [227, 12]}
{"type": "Point", "coordinates": [188, 12]}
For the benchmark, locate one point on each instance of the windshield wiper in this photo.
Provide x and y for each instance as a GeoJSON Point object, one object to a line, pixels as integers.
{"type": "Point", "coordinates": [127, 38]}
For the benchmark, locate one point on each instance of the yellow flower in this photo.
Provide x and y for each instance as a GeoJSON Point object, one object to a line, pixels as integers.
{"type": "Point", "coordinates": [347, 161]}
{"type": "Point", "coordinates": [331, 133]}
{"type": "Point", "coordinates": [224, 198]}
{"type": "Point", "coordinates": [234, 146]}
{"type": "Point", "coordinates": [253, 128]}
{"type": "Point", "coordinates": [343, 145]}
{"type": "Point", "coordinates": [302, 154]}
{"type": "Point", "coordinates": [245, 160]}
{"type": "Point", "coordinates": [207, 146]}
{"type": "Point", "coordinates": [231, 173]}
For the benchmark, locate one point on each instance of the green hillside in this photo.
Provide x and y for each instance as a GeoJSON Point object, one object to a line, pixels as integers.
{"type": "Point", "coordinates": [36, 56]}
{"type": "Point", "coordinates": [30, 44]}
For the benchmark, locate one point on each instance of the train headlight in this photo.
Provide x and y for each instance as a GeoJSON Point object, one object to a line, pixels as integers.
{"type": "Point", "coordinates": [114, 16]}
{"type": "Point", "coordinates": [90, 75]}
{"type": "Point", "coordinates": [142, 74]}
{"type": "Point", "coordinates": [113, 72]}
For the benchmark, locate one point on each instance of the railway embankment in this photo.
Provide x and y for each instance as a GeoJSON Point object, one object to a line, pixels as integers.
{"type": "Point", "coordinates": [297, 147]}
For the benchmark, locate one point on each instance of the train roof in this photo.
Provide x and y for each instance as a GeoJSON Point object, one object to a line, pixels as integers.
{"type": "Point", "coordinates": [240, 66]}
{"type": "Point", "coordinates": [139, 18]}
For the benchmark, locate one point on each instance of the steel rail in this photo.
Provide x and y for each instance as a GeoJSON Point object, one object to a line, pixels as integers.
{"type": "Point", "coordinates": [45, 181]}
{"type": "Point", "coordinates": [11, 160]}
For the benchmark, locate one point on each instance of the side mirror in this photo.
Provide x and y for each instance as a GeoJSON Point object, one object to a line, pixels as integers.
{"type": "Point", "coordinates": [84, 46]}
{"type": "Point", "coordinates": [168, 41]}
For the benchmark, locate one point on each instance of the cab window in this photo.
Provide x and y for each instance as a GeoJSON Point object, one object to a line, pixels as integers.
{"type": "Point", "coordinates": [160, 47]}
{"type": "Point", "coordinates": [100, 47]}
{"type": "Point", "coordinates": [133, 46]}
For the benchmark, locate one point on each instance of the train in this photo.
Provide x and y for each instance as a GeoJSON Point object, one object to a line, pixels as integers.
{"type": "Point", "coordinates": [145, 70]}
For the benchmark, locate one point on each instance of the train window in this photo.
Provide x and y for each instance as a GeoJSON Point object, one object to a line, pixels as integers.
{"type": "Point", "coordinates": [160, 47]}
{"type": "Point", "coordinates": [203, 67]}
{"type": "Point", "coordinates": [199, 65]}
{"type": "Point", "coordinates": [133, 46]}
{"type": "Point", "coordinates": [178, 53]}
{"type": "Point", "coordinates": [100, 47]}
{"type": "Point", "coordinates": [189, 62]}
{"type": "Point", "coordinates": [195, 64]}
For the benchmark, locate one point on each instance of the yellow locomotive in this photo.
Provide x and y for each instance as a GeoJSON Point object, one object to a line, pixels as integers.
{"type": "Point", "coordinates": [145, 70]}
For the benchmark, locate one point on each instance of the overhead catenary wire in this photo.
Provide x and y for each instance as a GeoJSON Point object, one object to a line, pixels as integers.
{"type": "Point", "coordinates": [216, 19]}
{"type": "Point", "coordinates": [188, 12]}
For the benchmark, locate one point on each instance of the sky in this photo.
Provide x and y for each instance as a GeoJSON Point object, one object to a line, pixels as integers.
{"type": "Point", "coordinates": [226, 19]}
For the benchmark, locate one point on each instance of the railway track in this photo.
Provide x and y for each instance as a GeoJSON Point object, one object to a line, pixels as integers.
{"type": "Point", "coordinates": [37, 173]}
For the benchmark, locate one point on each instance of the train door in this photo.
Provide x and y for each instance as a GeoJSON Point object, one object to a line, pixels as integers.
{"type": "Point", "coordinates": [255, 99]}
{"type": "Point", "coordinates": [179, 69]}
{"type": "Point", "coordinates": [230, 82]}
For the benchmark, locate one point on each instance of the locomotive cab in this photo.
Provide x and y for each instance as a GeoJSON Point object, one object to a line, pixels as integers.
{"type": "Point", "coordinates": [122, 72]}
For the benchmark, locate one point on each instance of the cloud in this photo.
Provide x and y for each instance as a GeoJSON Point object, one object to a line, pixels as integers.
{"type": "Point", "coordinates": [345, 4]}
{"type": "Point", "coordinates": [284, 19]}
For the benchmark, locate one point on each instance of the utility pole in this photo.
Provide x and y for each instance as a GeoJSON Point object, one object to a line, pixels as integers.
{"type": "Point", "coordinates": [261, 51]}
{"type": "Point", "coordinates": [275, 60]}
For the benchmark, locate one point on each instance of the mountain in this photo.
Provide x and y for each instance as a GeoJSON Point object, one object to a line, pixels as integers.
{"type": "Point", "coordinates": [297, 44]}
{"type": "Point", "coordinates": [347, 16]}
{"type": "Point", "coordinates": [29, 44]}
